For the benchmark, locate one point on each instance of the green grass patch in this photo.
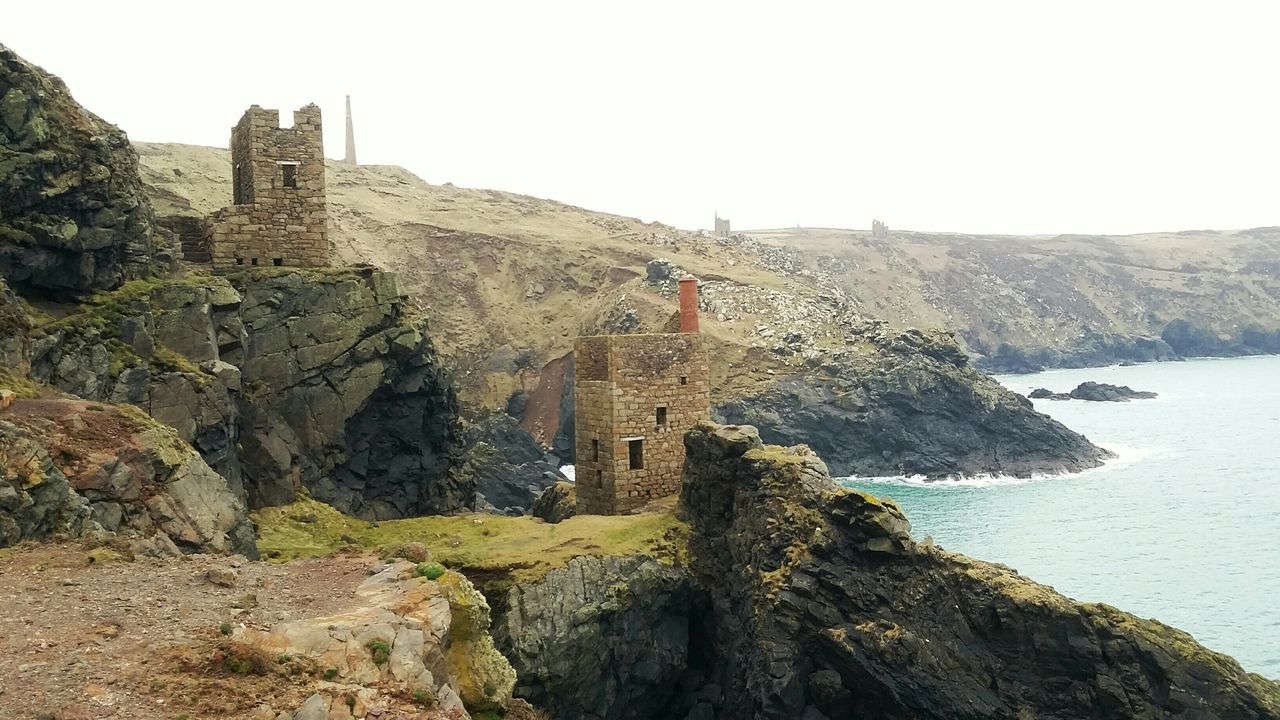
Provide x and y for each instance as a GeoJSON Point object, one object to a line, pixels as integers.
{"type": "Point", "coordinates": [21, 385]}
{"type": "Point", "coordinates": [520, 547]}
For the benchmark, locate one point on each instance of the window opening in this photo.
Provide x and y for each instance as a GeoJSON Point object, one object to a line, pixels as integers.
{"type": "Point", "coordinates": [635, 452]}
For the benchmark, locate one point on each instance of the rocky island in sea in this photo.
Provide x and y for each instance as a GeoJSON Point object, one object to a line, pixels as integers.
{"type": "Point", "coordinates": [1094, 392]}
{"type": "Point", "coordinates": [242, 476]}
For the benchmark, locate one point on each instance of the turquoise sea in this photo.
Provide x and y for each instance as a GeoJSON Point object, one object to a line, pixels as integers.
{"type": "Point", "coordinates": [1184, 526]}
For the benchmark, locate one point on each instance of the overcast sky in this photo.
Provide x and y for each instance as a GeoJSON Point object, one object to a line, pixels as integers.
{"type": "Point", "coordinates": [1115, 117]}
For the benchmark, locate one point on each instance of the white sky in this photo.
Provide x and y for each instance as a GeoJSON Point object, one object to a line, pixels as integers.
{"type": "Point", "coordinates": [1118, 116]}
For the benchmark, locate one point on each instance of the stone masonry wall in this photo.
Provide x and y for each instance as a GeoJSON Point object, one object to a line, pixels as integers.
{"type": "Point", "coordinates": [270, 223]}
{"type": "Point", "coordinates": [621, 381]}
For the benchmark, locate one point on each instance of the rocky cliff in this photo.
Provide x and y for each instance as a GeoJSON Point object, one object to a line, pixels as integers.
{"type": "Point", "coordinates": [827, 607]}
{"type": "Point", "coordinates": [913, 406]}
{"type": "Point", "coordinates": [603, 637]}
{"type": "Point", "coordinates": [282, 379]}
{"type": "Point", "coordinates": [802, 599]}
{"type": "Point", "coordinates": [73, 216]}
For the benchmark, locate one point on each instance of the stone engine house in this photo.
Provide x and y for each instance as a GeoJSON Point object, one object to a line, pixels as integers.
{"type": "Point", "coordinates": [635, 397]}
{"type": "Point", "coordinates": [279, 215]}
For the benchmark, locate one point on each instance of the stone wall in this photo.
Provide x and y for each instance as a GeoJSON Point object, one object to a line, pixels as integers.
{"type": "Point", "coordinates": [273, 223]}
{"type": "Point", "coordinates": [622, 382]}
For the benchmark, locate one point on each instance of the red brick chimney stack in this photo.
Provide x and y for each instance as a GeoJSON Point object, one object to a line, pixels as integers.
{"type": "Point", "coordinates": [688, 304]}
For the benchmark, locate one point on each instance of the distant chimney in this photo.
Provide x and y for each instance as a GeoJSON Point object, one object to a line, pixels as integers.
{"type": "Point", "coordinates": [688, 304]}
{"type": "Point", "coordinates": [350, 159]}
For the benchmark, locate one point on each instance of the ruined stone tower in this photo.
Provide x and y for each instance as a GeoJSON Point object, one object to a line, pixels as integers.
{"type": "Point", "coordinates": [279, 215]}
{"type": "Point", "coordinates": [879, 230]}
{"type": "Point", "coordinates": [722, 227]}
{"type": "Point", "coordinates": [635, 397]}
{"type": "Point", "coordinates": [350, 159]}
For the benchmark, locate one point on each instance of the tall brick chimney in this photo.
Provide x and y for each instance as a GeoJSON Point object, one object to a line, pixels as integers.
{"type": "Point", "coordinates": [688, 304]}
{"type": "Point", "coordinates": [350, 159]}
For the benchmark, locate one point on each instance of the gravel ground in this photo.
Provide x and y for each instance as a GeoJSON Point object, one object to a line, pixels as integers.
{"type": "Point", "coordinates": [82, 639]}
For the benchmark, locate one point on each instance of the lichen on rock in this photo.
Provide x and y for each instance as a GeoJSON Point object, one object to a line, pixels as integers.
{"type": "Point", "coordinates": [75, 217]}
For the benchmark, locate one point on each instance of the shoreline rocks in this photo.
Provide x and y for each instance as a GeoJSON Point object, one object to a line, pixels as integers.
{"type": "Point", "coordinates": [1094, 392]}
{"type": "Point", "coordinates": [912, 407]}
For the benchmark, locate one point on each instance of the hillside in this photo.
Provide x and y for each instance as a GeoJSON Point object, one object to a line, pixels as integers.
{"type": "Point", "coordinates": [509, 279]}
{"type": "Point", "coordinates": [1072, 300]}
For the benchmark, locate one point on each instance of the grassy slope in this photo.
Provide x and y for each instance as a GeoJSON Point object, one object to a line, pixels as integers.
{"type": "Point", "coordinates": [520, 548]}
{"type": "Point", "coordinates": [472, 257]}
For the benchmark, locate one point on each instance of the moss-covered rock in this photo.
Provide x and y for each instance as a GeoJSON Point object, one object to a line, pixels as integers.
{"type": "Point", "coordinates": [71, 468]}
{"type": "Point", "coordinates": [482, 676]}
{"type": "Point", "coordinates": [73, 216]}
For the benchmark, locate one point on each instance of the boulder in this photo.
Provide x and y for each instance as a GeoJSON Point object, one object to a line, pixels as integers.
{"type": "Point", "coordinates": [75, 217]}
{"type": "Point", "coordinates": [557, 503]}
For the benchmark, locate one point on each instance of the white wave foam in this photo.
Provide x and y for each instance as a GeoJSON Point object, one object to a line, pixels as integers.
{"type": "Point", "coordinates": [569, 471]}
{"type": "Point", "coordinates": [1123, 456]}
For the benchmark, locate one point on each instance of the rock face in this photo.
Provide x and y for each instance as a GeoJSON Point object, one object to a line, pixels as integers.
{"type": "Point", "coordinates": [15, 344]}
{"type": "Point", "coordinates": [912, 407]}
{"type": "Point", "coordinates": [70, 467]}
{"type": "Point", "coordinates": [74, 217]}
{"type": "Point", "coordinates": [282, 379]}
{"type": "Point", "coordinates": [602, 638]}
{"type": "Point", "coordinates": [507, 467]}
{"type": "Point", "coordinates": [1091, 349]}
{"type": "Point", "coordinates": [824, 606]}
{"type": "Point", "coordinates": [409, 634]}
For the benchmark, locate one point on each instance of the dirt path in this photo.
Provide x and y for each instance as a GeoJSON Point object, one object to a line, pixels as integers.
{"type": "Point", "coordinates": [82, 640]}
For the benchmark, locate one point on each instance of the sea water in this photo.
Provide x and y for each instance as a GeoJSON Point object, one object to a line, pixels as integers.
{"type": "Point", "coordinates": [1184, 526]}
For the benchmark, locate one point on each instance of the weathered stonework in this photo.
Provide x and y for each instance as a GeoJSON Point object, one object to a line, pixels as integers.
{"type": "Point", "coordinates": [648, 389]}
{"type": "Point", "coordinates": [280, 215]}
{"type": "Point", "coordinates": [722, 227]}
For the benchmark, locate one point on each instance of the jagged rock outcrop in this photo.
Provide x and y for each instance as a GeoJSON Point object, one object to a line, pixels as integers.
{"type": "Point", "coordinates": [911, 407]}
{"type": "Point", "coordinates": [408, 636]}
{"type": "Point", "coordinates": [824, 606]}
{"type": "Point", "coordinates": [70, 467]}
{"type": "Point", "coordinates": [602, 638]}
{"type": "Point", "coordinates": [73, 215]}
{"type": "Point", "coordinates": [504, 463]}
{"type": "Point", "coordinates": [282, 379]}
